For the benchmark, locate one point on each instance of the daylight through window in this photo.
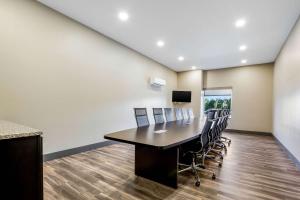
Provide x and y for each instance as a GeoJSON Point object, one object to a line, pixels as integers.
{"type": "Point", "coordinates": [217, 99]}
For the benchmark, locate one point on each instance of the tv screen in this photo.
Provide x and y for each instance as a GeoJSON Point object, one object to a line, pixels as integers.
{"type": "Point", "coordinates": [181, 96]}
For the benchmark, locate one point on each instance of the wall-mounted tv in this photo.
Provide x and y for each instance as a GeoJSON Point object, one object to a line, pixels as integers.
{"type": "Point", "coordinates": [181, 96]}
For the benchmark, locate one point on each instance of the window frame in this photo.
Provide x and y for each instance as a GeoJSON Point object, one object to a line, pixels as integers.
{"type": "Point", "coordinates": [217, 88]}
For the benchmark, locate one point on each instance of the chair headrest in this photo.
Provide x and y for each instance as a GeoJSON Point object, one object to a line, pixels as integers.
{"type": "Point", "coordinates": [211, 114]}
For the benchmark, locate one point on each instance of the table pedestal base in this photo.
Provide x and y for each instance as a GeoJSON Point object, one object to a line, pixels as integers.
{"type": "Point", "coordinates": [156, 164]}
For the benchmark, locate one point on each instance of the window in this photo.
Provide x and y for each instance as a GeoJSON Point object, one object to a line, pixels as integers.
{"type": "Point", "coordinates": [216, 99]}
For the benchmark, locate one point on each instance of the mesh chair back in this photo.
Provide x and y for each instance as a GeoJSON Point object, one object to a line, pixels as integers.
{"type": "Point", "coordinates": [158, 115]}
{"type": "Point", "coordinates": [206, 130]}
{"type": "Point", "coordinates": [185, 113]}
{"type": "Point", "coordinates": [178, 114]}
{"type": "Point", "coordinates": [212, 115]}
{"type": "Point", "coordinates": [191, 113]}
{"type": "Point", "coordinates": [222, 120]}
{"type": "Point", "coordinates": [169, 114]}
{"type": "Point", "coordinates": [219, 123]}
{"type": "Point", "coordinates": [226, 119]}
{"type": "Point", "coordinates": [141, 117]}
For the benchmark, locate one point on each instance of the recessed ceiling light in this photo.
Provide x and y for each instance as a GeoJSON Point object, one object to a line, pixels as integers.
{"type": "Point", "coordinates": [180, 58]}
{"type": "Point", "coordinates": [240, 23]}
{"type": "Point", "coordinates": [123, 16]}
{"type": "Point", "coordinates": [243, 47]}
{"type": "Point", "coordinates": [244, 61]}
{"type": "Point", "coordinates": [160, 43]}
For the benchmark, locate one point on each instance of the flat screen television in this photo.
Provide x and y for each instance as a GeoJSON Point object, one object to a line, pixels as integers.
{"type": "Point", "coordinates": [181, 96]}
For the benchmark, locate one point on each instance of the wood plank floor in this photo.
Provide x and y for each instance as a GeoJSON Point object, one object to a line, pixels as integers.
{"type": "Point", "coordinates": [255, 167]}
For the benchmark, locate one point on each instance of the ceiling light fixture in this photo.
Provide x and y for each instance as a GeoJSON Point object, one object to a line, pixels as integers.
{"type": "Point", "coordinates": [244, 61]}
{"type": "Point", "coordinates": [123, 16]}
{"type": "Point", "coordinates": [181, 58]}
{"type": "Point", "coordinates": [240, 23]}
{"type": "Point", "coordinates": [243, 47]}
{"type": "Point", "coordinates": [194, 67]}
{"type": "Point", "coordinates": [160, 43]}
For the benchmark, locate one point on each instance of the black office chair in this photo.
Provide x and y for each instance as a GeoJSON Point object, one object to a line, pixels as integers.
{"type": "Point", "coordinates": [178, 114]}
{"type": "Point", "coordinates": [185, 113]}
{"type": "Point", "coordinates": [225, 124]}
{"type": "Point", "coordinates": [169, 114]}
{"type": "Point", "coordinates": [213, 152]}
{"type": "Point", "coordinates": [141, 117]}
{"type": "Point", "coordinates": [216, 144]}
{"type": "Point", "coordinates": [190, 113]}
{"type": "Point", "coordinates": [197, 149]}
{"type": "Point", "coordinates": [212, 149]}
{"type": "Point", "coordinates": [158, 115]}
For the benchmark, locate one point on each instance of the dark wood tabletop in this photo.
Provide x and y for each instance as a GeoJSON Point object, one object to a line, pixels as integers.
{"type": "Point", "coordinates": [177, 132]}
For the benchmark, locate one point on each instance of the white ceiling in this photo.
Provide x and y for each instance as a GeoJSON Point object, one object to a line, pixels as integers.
{"type": "Point", "coordinates": [203, 31]}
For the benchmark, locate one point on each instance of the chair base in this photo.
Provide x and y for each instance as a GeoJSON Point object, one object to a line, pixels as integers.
{"type": "Point", "coordinates": [195, 168]}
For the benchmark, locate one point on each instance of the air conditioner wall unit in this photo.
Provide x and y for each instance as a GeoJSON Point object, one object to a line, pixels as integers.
{"type": "Point", "coordinates": [157, 81]}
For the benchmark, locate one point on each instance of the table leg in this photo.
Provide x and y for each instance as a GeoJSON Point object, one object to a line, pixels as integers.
{"type": "Point", "coordinates": [156, 164]}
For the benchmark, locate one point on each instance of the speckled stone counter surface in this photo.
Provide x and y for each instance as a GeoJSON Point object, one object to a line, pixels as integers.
{"type": "Point", "coordinates": [10, 130]}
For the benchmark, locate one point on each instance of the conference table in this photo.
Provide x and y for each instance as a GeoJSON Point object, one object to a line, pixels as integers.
{"type": "Point", "coordinates": [157, 147]}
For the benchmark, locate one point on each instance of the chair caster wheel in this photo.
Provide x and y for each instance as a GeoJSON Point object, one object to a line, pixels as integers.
{"type": "Point", "coordinates": [197, 184]}
{"type": "Point", "coordinates": [213, 177]}
{"type": "Point", "coordinates": [220, 164]}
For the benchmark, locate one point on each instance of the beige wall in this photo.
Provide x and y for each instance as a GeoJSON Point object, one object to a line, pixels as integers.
{"type": "Point", "coordinates": [192, 81]}
{"type": "Point", "coordinates": [287, 93]}
{"type": "Point", "coordinates": [252, 88]}
{"type": "Point", "coordinates": [69, 81]}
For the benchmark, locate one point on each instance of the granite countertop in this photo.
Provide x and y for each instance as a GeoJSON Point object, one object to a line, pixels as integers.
{"type": "Point", "coordinates": [10, 130]}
